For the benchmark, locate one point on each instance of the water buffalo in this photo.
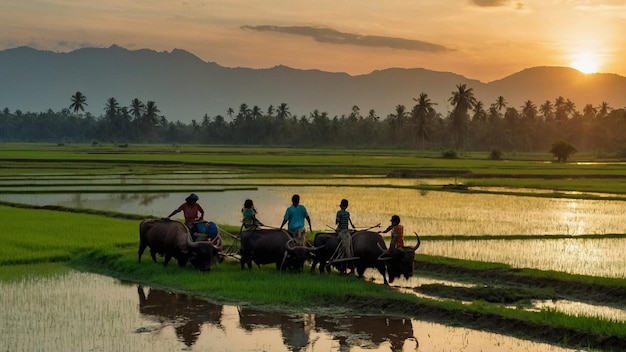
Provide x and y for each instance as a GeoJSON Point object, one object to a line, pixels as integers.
{"type": "Point", "coordinates": [326, 244]}
{"type": "Point", "coordinates": [267, 246]}
{"type": "Point", "coordinates": [368, 246]}
{"type": "Point", "coordinates": [172, 239]}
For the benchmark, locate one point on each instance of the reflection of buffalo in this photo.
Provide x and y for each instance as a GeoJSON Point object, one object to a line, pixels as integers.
{"type": "Point", "coordinates": [172, 239]}
{"type": "Point", "coordinates": [272, 246]}
{"type": "Point", "coordinates": [293, 328]}
{"type": "Point", "coordinates": [375, 329]}
{"type": "Point", "coordinates": [185, 313]}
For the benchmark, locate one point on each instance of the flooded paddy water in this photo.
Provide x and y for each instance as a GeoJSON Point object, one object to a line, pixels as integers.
{"type": "Point", "coordinates": [372, 202]}
{"type": "Point", "coordinates": [96, 313]}
{"type": "Point", "coordinates": [75, 311]}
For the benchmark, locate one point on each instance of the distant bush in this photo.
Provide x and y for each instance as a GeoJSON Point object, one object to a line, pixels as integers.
{"type": "Point", "coordinates": [562, 151]}
{"type": "Point", "coordinates": [495, 155]}
{"type": "Point", "coordinates": [449, 154]}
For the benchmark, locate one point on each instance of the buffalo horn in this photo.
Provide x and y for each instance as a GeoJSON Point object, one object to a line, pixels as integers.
{"type": "Point", "coordinates": [382, 252]}
{"type": "Point", "coordinates": [191, 243]}
{"type": "Point", "coordinates": [418, 242]}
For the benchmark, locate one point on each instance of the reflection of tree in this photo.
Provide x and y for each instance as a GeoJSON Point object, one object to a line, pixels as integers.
{"type": "Point", "coordinates": [293, 328]}
{"type": "Point", "coordinates": [77, 200]}
{"type": "Point", "coordinates": [147, 198]}
{"type": "Point", "coordinates": [143, 198]}
{"type": "Point", "coordinates": [185, 313]}
{"type": "Point", "coordinates": [378, 329]}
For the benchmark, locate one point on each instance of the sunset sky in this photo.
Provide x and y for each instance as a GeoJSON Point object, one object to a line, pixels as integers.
{"type": "Point", "coordinates": [480, 39]}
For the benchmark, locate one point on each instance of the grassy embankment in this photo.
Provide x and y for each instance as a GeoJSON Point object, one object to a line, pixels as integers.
{"type": "Point", "coordinates": [108, 245]}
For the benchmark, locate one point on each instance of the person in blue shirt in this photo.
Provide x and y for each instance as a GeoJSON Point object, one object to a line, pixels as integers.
{"type": "Point", "coordinates": [295, 216]}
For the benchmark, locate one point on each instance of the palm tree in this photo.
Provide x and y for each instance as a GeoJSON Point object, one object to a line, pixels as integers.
{"type": "Point", "coordinates": [150, 120]}
{"type": "Point", "coordinates": [529, 110]}
{"type": "Point", "coordinates": [356, 112]}
{"type": "Point", "coordinates": [560, 112]}
{"type": "Point", "coordinates": [230, 112]}
{"type": "Point", "coordinates": [151, 116]}
{"type": "Point", "coordinates": [479, 112]}
{"type": "Point", "coordinates": [500, 103]}
{"type": "Point", "coordinates": [547, 110]}
{"type": "Point", "coordinates": [111, 108]}
{"type": "Point", "coordinates": [397, 123]}
{"type": "Point", "coordinates": [420, 113]}
{"type": "Point", "coordinates": [589, 112]}
{"type": "Point", "coordinates": [463, 100]}
{"type": "Point", "coordinates": [570, 107]}
{"type": "Point", "coordinates": [244, 111]}
{"type": "Point", "coordinates": [256, 112]}
{"type": "Point", "coordinates": [282, 112]}
{"type": "Point", "coordinates": [79, 101]}
{"type": "Point", "coordinates": [137, 108]}
{"type": "Point", "coordinates": [603, 109]}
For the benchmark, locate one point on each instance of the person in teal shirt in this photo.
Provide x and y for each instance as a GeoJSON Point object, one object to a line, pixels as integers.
{"type": "Point", "coordinates": [295, 216]}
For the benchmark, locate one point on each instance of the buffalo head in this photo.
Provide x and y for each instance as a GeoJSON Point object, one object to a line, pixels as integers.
{"type": "Point", "coordinates": [295, 256]}
{"type": "Point", "coordinates": [400, 261]}
{"type": "Point", "coordinates": [202, 253]}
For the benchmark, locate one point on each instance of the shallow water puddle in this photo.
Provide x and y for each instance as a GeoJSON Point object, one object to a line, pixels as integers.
{"type": "Point", "coordinates": [86, 312]}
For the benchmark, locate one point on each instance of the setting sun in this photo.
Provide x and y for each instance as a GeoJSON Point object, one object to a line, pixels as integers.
{"type": "Point", "coordinates": [585, 64]}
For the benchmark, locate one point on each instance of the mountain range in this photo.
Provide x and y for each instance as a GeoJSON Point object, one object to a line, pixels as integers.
{"type": "Point", "coordinates": [185, 88]}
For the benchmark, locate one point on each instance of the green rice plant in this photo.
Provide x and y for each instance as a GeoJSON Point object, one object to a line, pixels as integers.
{"type": "Point", "coordinates": [29, 236]}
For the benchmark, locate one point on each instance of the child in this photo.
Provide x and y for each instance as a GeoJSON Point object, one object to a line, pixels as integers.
{"type": "Point", "coordinates": [343, 217]}
{"type": "Point", "coordinates": [397, 234]}
{"type": "Point", "coordinates": [342, 220]}
{"type": "Point", "coordinates": [250, 222]}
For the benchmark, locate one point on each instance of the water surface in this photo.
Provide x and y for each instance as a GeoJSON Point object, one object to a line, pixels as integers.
{"type": "Point", "coordinates": [77, 311]}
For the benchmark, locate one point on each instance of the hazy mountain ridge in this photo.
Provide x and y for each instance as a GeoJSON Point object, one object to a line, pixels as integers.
{"type": "Point", "coordinates": [184, 87]}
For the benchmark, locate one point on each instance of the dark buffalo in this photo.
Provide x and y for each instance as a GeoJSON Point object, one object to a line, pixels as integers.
{"type": "Point", "coordinates": [369, 247]}
{"type": "Point", "coordinates": [326, 244]}
{"type": "Point", "coordinates": [267, 246]}
{"type": "Point", "coordinates": [172, 239]}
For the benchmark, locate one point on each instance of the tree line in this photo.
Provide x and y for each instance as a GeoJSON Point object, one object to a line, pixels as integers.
{"type": "Point", "coordinates": [471, 125]}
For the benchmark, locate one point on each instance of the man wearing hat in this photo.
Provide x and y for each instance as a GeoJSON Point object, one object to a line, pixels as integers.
{"type": "Point", "coordinates": [190, 210]}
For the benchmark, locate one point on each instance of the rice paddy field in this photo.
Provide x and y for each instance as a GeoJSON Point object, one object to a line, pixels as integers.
{"type": "Point", "coordinates": [525, 213]}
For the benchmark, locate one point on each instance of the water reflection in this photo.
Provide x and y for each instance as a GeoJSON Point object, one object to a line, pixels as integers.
{"type": "Point", "coordinates": [75, 311]}
{"type": "Point", "coordinates": [294, 329]}
{"type": "Point", "coordinates": [369, 332]}
{"type": "Point", "coordinates": [185, 313]}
